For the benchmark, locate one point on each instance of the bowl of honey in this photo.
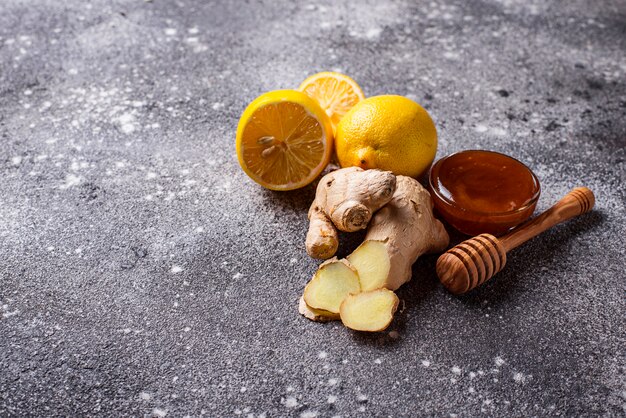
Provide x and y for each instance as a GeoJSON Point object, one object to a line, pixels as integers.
{"type": "Point", "coordinates": [479, 191]}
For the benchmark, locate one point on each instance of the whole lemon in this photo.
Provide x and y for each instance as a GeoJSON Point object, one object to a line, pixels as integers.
{"type": "Point", "coordinates": [389, 133]}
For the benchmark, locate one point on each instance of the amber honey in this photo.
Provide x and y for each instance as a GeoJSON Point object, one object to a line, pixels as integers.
{"type": "Point", "coordinates": [483, 191]}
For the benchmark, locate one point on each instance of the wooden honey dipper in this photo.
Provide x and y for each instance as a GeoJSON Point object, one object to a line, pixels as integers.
{"type": "Point", "coordinates": [476, 260]}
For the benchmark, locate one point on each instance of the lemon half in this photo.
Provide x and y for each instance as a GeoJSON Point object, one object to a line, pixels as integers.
{"type": "Point", "coordinates": [284, 140]}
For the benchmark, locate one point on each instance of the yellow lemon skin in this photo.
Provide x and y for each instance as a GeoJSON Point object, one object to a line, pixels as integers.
{"type": "Point", "coordinates": [274, 125]}
{"type": "Point", "coordinates": [388, 132]}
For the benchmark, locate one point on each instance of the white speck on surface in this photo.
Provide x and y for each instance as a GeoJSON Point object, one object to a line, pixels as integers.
{"type": "Point", "coordinates": [126, 122]}
{"type": "Point", "coordinates": [72, 71]}
{"type": "Point", "coordinates": [145, 396]}
{"type": "Point", "coordinates": [237, 276]}
{"type": "Point", "coordinates": [322, 355]}
{"type": "Point", "coordinates": [456, 370]}
{"type": "Point", "coordinates": [425, 363]}
{"type": "Point", "coordinates": [293, 260]}
{"type": "Point", "coordinates": [70, 181]}
{"type": "Point", "coordinates": [373, 33]}
{"type": "Point", "coordinates": [176, 269]}
{"type": "Point", "coordinates": [158, 412]}
{"type": "Point", "coordinates": [361, 398]}
{"type": "Point", "coordinates": [170, 31]}
{"type": "Point", "coordinates": [17, 160]}
{"type": "Point", "coordinates": [471, 389]}
{"type": "Point", "coordinates": [192, 40]}
{"type": "Point", "coordinates": [78, 250]}
{"type": "Point", "coordinates": [217, 105]}
{"type": "Point", "coordinates": [499, 361]}
{"type": "Point", "coordinates": [480, 128]}
{"type": "Point", "coordinates": [290, 402]}
{"type": "Point", "coordinates": [498, 132]}
{"type": "Point", "coordinates": [519, 377]}
{"type": "Point", "coordinates": [193, 31]}
{"type": "Point", "coordinates": [361, 409]}
{"type": "Point", "coordinates": [199, 229]}
{"type": "Point", "coordinates": [150, 175]}
{"type": "Point", "coordinates": [5, 313]}
{"type": "Point", "coordinates": [331, 399]}
{"type": "Point", "coordinates": [243, 390]}
{"type": "Point", "coordinates": [378, 361]}
{"type": "Point", "coordinates": [187, 329]}
{"type": "Point", "coordinates": [472, 375]}
{"type": "Point", "coordinates": [333, 381]}
{"type": "Point", "coordinates": [308, 414]}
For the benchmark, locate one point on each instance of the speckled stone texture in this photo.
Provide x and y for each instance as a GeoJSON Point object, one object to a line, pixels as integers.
{"type": "Point", "coordinates": [142, 273]}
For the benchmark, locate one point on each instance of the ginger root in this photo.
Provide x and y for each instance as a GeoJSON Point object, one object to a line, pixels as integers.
{"type": "Point", "coordinates": [369, 311]}
{"type": "Point", "coordinates": [398, 234]}
{"type": "Point", "coordinates": [345, 199]}
{"type": "Point", "coordinates": [317, 315]}
{"type": "Point", "coordinates": [360, 289]}
{"type": "Point", "coordinates": [333, 281]}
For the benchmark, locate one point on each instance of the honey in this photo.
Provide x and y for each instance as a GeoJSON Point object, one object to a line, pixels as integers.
{"type": "Point", "coordinates": [483, 191]}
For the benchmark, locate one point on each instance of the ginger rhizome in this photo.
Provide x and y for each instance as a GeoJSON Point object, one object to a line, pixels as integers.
{"type": "Point", "coordinates": [398, 234]}
{"type": "Point", "coordinates": [345, 200]}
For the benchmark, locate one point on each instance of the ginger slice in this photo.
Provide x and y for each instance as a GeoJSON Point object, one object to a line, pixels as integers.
{"type": "Point", "coordinates": [317, 315]}
{"type": "Point", "coordinates": [371, 261]}
{"type": "Point", "coordinates": [369, 311]}
{"type": "Point", "coordinates": [333, 281]}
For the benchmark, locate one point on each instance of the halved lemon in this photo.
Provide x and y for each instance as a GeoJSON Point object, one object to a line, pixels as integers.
{"type": "Point", "coordinates": [336, 93]}
{"type": "Point", "coordinates": [284, 140]}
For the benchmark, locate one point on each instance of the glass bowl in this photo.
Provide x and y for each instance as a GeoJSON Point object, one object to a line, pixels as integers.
{"type": "Point", "coordinates": [479, 191]}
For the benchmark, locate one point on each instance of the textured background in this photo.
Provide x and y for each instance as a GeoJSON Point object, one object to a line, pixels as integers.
{"type": "Point", "coordinates": [141, 272]}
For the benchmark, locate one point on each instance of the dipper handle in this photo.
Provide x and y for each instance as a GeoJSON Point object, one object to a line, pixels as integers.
{"type": "Point", "coordinates": [477, 259]}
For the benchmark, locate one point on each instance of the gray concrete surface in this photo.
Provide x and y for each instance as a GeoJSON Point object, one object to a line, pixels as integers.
{"type": "Point", "coordinates": [142, 273]}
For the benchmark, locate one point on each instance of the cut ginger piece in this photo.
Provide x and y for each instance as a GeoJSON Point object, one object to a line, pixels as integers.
{"type": "Point", "coordinates": [371, 261]}
{"type": "Point", "coordinates": [369, 311]}
{"type": "Point", "coordinates": [334, 280]}
{"type": "Point", "coordinates": [317, 315]}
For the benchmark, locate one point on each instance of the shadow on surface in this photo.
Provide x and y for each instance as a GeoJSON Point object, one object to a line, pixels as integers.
{"type": "Point", "coordinates": [546, 247]}
{"type": "Point", "coordinates": [424, 282]}
{"type": "Point", "coordinates": [297, 200]}
{"type": "Point", "coordinates": [411, 295]}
